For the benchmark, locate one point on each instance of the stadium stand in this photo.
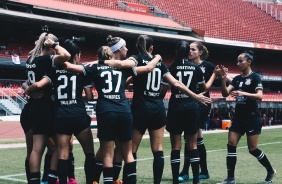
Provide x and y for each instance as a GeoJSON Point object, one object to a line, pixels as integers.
{"type": "Point", "coordinates": [109, 4]}
{"type": "Point", "coordinates": [231, 20]}
{"type": "Point", "coordinates": [274, 10]}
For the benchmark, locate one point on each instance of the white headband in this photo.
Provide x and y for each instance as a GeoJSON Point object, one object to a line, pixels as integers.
{"type": "Point", "coordinates": [118, 45]}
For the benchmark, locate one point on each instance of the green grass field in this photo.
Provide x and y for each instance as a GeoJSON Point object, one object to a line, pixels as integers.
{"type": "Point", "coordinates": [248, 169]}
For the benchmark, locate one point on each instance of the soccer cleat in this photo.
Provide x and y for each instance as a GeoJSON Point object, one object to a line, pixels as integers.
{"type": "Point", "coordinates": [229, 181]}
{"type": "Point", "coordinates": [95, 182]}
{"type": "Point", "coordinates": [182, 178]}
{"type": "Point", "coordinates": [43, 182]}
{"type": "Point", "coordinates": [72, 181]}
{"type": "Point", "coordinates": [204, 176]}
{"type": "Point", "coordinates": [118, 181]}
{"type": "Point", "coordinates": [270, 176]}
{"type": "Point", "coordinates": [57, 182]}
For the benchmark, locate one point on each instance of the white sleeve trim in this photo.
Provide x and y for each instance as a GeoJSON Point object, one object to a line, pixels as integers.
{"type": "Point", "coordinates": [134, 71]}
{"type": "Point", "coordinates": [84, 71]}
{"type": "Point", "coordinates": [53, 62]}
{"type": "Point", "coordinates": [45, 76]}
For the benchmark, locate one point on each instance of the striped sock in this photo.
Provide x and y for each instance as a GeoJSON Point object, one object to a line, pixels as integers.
{"type": "Point", "coordinates": [262, 159]}
{"type": "Point", "coordinates": [130, 173]}
{"type": "Point", "coordinates": [158, 166]}
{"type": "Point", "coordinates": [231, 160]}
{"type": "Point", "coordinates": [117, 168]}
{"type": "Point", "coordinates": [175, 163]}
{"type": "Point", "coordinates": [203, 155]}
{"type": "Point", "coordinates": [195, 162]}
{"type": "Point", "coordinates": [108, 175]}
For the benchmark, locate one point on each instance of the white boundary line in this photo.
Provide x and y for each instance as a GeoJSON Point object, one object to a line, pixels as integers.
{"type": "Point", "coordinates": [10, 177]}
{"type": "Point", "coordinates": [146, 136]}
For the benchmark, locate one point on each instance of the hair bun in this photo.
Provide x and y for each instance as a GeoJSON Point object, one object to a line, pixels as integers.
{"type": "Point", "coordinates": [109, 38]}
{"type": "Point", "coordinates": [251, 52]}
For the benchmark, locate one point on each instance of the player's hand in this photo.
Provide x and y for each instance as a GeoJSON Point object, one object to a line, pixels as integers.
{"type": "Point", "coordinates": [91, 63]}
{"type": "Point", "coordinates": [203, 99]}
{"type": "Point", "coordinates": [222, 72]}
{"type": "Point", "coordinates": [48, 43]}
{"type": "Point", "coordinates": [159, 57]}
{"type": "Point", "coordinates": [65, 65]}
{"type": "Point", "coordinates": [237, 93]}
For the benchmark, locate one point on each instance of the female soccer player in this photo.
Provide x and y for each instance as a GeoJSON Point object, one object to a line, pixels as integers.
{"type": "Point", "coordinates": [46, 54]}
{"type": "Point", "coordinates": [198, 54]}
{"type": "Point", "coordinates": [246, 89]}
{"type": "Point", "coordinates": [183, 112]}
{"type": "Point", "coordinates": [119, 49]}
{"type": "Point", "coordinates": [147, 100]}
{"type": "Point", "coordinates": [114, 117]}
{"type": "Point", "coordinates": [71, 117]}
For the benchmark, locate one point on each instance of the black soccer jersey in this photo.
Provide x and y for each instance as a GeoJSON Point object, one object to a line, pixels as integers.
{"type": "Point", "coordinates": [147, 86]}
{"type": "Point", "coordinates": [110, 85]}
{"type": "Point", "coordinates": [37, 69]}
{"type": "Point", "coordinates": [207, 69]}
{"type": "Point", "coordinates": [249, 84]}
{"type": "Point", "coordinates": [190, 75]}
{"type": "Point", "coordinates": [68, 88]}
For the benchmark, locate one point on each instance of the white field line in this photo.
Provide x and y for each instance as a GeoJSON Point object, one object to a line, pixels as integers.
{"type": "Point", "coordinates": [11, 177]}
{"type": "Point", "coordinates": [146, 136]}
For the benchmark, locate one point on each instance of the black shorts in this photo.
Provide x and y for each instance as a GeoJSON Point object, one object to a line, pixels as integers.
{"type": "Point", "coordinates": [148, 119]}
{"type": "Point", "coordinates": [184, 120]}
{"type": "Point", "coordinates": [41, 117]}
{"type": "Point", "coordinates": [25, 123]}
{"type": "Point", "coordinates": [250, 124]}
{"type": "Point", "coordinates": [71, 125]}
{"type": "Point", "coordinates": [114, 126]}
{"type": "Point", "coordinates": [204, 112]}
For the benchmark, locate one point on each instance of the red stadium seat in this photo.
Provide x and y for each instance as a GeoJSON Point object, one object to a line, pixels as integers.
{"type": "Point", "coordinates": [219, 19]}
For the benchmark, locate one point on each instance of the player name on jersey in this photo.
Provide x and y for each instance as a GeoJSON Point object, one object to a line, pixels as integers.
{"type": "Point", "coordinates": [68, 102]}
{"type": "Point", "coordinates": [181, 96]}
{"type": "Point", "coordinates": [112, 96]}
{"type": "Point", "coordinates": [154, 94]}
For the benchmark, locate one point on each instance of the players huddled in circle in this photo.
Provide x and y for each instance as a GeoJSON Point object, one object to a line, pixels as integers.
{"type": "Point", "coordinates": [56, 111]}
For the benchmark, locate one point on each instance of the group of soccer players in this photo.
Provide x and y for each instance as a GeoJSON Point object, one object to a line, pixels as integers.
{"type": "Point", "coordinates": [52, 69]}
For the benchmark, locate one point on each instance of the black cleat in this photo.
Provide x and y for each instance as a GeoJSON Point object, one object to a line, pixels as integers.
{"type": "Point", "coordinates": [229, 181]}
{"type": "Point", "coordinates": [270, 176]}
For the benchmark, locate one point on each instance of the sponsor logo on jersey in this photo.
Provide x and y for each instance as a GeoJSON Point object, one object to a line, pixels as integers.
{"type": "Point", "coordinates": [30, 66]}
{"type": "Point", "coordinates": [144, 61]}
{"type": "Point", "coordinates": [63, 71]}
{"type": "Point", "coordinates": [203, 69]}
{"type": "Point", "coordinates": [248, 81]}
{"type": "Point", "coordinates": [103, 67]}
{"type": "Point", "coordinates": [185, 67]}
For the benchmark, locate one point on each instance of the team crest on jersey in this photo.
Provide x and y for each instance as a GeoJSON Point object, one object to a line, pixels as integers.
{"type": "Point", "coordinates": [248, 81]}
{"type": "Point", "coordinates": [203, 69]}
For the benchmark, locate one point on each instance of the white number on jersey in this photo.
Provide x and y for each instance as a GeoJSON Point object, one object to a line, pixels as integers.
{"type": "Point", "coordinates": [31, 76]}
{"type": "Point", "coordinates": [108, 75]}
{"type": "Point", "coordinates": [152, 81]}
{"type": "Point", "coordinates": [64, 85]}
{"type": "Point", "coordinates": [182, 74]}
